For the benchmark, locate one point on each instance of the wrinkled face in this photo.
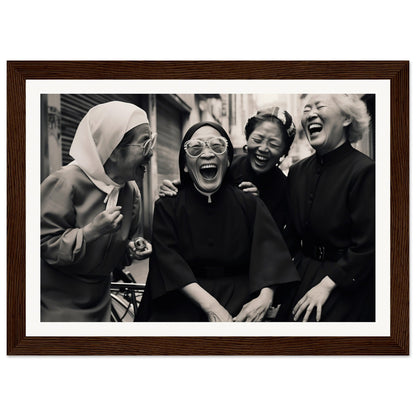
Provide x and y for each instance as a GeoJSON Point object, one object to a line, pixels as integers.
{"type": "Point", "coordinates": [129, 160]}
{"type": "Point", "coordinates": [324, 123]}
{"type": "Point", "coordinates": [208, 169]}
{"type": "Point", "coordinates": [265, 146]}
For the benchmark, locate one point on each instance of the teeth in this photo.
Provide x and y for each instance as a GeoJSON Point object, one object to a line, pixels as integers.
{"type": "Point", "coordinates": [210, 166]}
{"type": "Point", "coordinates": [262, 158]}
{"type": "Point", "coordinates": [314, 127]}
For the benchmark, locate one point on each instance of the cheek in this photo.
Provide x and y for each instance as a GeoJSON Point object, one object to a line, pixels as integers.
{"type": "Point", "coordinates": [303, 121]}
{"type": "Point", "coordinates": [275, 156]}
{"type": "Point", "coordinates": [251, 148]}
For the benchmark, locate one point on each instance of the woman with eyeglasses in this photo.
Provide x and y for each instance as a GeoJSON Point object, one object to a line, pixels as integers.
{"type": "Point", "coordinates": [91, 210]}
{"type": "Point", "coordinates": [332, 204]}
{"type": "Point", "coordinates": [217, 253]}
{"type": "Point", "coordinates": [269, 134]}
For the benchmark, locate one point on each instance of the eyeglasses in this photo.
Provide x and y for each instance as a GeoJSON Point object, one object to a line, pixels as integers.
{"type": "Point", "coordinates": [195, 147]}
{"type": "Point", "coordinates": [147, 146]}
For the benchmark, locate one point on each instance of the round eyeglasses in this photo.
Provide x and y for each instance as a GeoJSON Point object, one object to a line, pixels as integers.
{"type": "Point", "coordinates": [147, 146]}
{"type": "Point", "coordinates": [195, 147]}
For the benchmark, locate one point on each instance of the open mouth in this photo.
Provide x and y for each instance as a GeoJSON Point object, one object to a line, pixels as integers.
{"type": "Point", "coordinates": [260, 160]}
{"type": "Point", "coordinates": [208, 171]}
{"type": "Point", "coordinates": [314, 128]}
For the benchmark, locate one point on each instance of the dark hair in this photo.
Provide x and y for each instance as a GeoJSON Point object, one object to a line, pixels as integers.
{"type": "Point", "coordinates": [274, 115]}
{"type": "Point", "coordinates": [182, 155]}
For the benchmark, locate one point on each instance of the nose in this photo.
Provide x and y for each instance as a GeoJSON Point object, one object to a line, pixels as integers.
{"type": "Point", "coordinates": [312, 114]}
{"type": "Point", "coordinates": [263, 146]}
{"type": "Point", "coordinates": [207, 152]}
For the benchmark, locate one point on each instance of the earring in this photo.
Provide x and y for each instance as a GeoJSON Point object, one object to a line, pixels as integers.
{"type": "Point", "coordinates": [282, 158]}
{"type": "Point", "coordinates": [245, 148]}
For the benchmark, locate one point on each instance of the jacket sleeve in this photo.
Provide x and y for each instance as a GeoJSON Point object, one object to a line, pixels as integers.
{"type": "Point", "coordinates": [136, 229]}
{"type": "Point", "coordinates": [358, 262]}
{"type": "Point", "coordinates": [270, 260]}
{"type": "Point", "coordinates": [168, 270]}
{"type": "Point", "coordinates": [62, 243]}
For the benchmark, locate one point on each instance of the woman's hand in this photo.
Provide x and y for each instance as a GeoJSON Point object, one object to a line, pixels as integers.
{"type": "Point", "coordinates": [214, 310]}
{"type": "Point", "coordinates": [249, 188]}
{"type": "Point", "coordinates": [140, 248]}
{"type": "Point", "coordinates": [169, 188]}
{"type": "Point", "coordinates": [218, 313]}
{"type": "Point", "coordinates": [255, 310]}
{"type": "Point", "coordinates": [315, 297]}
{"type": "Point", "coordinates": [105, 222]}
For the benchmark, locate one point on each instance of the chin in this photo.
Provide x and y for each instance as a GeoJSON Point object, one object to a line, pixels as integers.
{"type": "Point", "coordinates": [209, 189]}
{"type": "Point", "coordinates": [207, 186]}
{"type": "Point", "coordinates": [260, 169]}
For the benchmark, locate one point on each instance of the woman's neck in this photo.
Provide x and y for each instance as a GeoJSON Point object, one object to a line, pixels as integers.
{"type": "Point", "coordinates": [207, 194]}
{"type": "Point", "coordinates": [323, 151]}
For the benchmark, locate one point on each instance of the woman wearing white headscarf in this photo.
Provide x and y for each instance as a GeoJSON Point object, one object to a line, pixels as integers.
{"type": "Point", "coordinates": [90, 211]}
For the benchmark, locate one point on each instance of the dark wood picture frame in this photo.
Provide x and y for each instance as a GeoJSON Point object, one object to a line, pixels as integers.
{"type": "Point", "coordinates": [397, 72]}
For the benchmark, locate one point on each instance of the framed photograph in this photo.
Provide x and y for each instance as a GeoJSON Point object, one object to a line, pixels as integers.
{"type": "Point", "coordinates": [46, 103]}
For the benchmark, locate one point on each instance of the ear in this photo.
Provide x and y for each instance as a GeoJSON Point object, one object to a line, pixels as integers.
{"type": "Point", "coordinates": [114, 155]}
{"type": "Point", "coordinates": [347, 121]}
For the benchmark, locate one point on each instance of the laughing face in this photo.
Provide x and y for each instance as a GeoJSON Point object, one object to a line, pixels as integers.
{"type": "Point", "coordinates": [128, 161]}
{"type": "Point", "coordinates": [206, 170]}
{"type": "Point", "coordinates": [324, 123]}
{"type": "Point", "coordinates": [265, 146]}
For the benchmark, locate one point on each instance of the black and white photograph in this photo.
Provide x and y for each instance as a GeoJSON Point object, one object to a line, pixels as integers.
{"type": "Point", "coordinates": [216, 212]}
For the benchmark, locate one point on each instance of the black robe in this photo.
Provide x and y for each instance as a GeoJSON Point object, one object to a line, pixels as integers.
{"type": "Point", "coordinates": [230, 246]}
{"type": "Point", "coordinates": [272, 187]}
{"type": "Point", "coordinates": [332, 204]}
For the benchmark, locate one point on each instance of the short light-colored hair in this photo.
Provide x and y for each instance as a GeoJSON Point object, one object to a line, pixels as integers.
{"type": "Point", "coordinates": [351, 105]}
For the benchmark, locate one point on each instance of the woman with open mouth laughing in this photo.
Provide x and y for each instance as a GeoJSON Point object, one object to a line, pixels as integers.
{"type": "Point", "coordinates": [269, 134]}
{"type": "Point", "coordinates": [91, 210]}
{"type": "Point", "coordinates": [331, 201]}
{"type": "Point", "coordinates": [217, 253]}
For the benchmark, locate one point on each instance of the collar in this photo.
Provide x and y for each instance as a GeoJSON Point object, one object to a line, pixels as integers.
{"type": "Point", "coordinates": [207, 194]}
{"type": "Point", "coordinates": [207, 197]}
{"type": "Point", "coordinates": [335, 155]}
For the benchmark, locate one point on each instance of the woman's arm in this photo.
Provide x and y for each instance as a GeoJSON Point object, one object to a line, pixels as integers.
{"type": "Point", "coordinates": [215, 312]}
{"type": "Point", "coordinates": [63, 240]}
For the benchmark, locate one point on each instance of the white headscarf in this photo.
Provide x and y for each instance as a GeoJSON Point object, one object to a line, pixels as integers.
{"type": "Point", "coordinates": [98, 134]}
